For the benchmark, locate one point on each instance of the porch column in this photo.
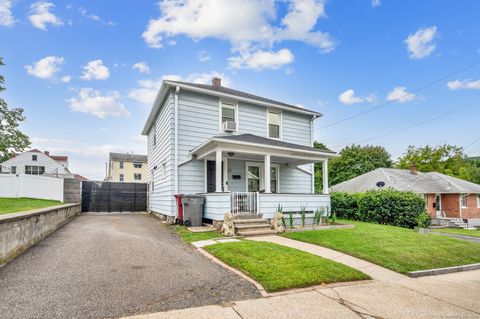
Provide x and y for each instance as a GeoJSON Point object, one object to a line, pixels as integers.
{"type": "Point", "coordinates": [325, 176]}
{"type": "Point", "coordinates": [218, 171]}
{"type": "Point", "coordinates": [267, 174]}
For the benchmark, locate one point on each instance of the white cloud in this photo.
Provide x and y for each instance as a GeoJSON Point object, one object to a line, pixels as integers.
{"type": "Point", "coordinates": [6, 17]}
{"type": "Point", "coordinates": [376, 3]}
{"type": "Point", "coordinates": [421, 44]}
{"type": "Point", "coordinates": [66, 78]}
{"type": "Point", "coordinates": [45, 68]}
{"type": "Point", "coordinates": [400, 94]}
{"type": "Point", "coordinates": [148, 89]}
{"type": "Point", "coordinates": [141, 67]}
{"type": "Point", "coordinates": [348, 97]}
{"type": "Point", "coordinates": [100, 105]}
{"type": "Point", "coordinates": [95, 70]}
{"type": "Point", "coordinates": [40, 15]}
{"type": "Point", "coordinates": [203, 56]}
{"type": "Point", "coordinates": [262, 60]}
{"type": "Point", "coordinates": [465, 84]}
{"type": "Point", "coordinates": [83, 12]}
{"type": "Point", "coordinates": [256, 30]}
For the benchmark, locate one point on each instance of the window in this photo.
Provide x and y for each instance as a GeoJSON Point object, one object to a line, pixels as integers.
{"type": "Point", "coordinates": [228, 112]}
{"type": "Point", "coordinates": [137, 164]}
{"type": "Point", "coordinates": [121, 165]}
{"type": "Point", "coordinates": [13, 170]}
{"type": "Point", "coordinates": [34, 158]}
{"type": "Point", "coordinates": [274, 179]}
{"type": "Point", "coordinates": [274, 119]}
{"type": "Point", "coordinates": [122, 178]}
{"type": "Point", "coordinates": [463, 200]}
{"type": "Point", "coordinates": [34, 170]}
{"type": "Point", "coordinates": [137, 177]}
{"type": "Point", "coordinates": [478, 200]}
{"type": "Point", "coordinates": [163, 170]}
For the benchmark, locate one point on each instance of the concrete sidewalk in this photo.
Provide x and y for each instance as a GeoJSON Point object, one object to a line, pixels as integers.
{"type": "Point", "coordinates": [446, 296]}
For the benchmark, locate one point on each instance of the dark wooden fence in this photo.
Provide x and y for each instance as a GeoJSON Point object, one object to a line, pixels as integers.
{"type": "Point", "coordinates": [71, 190]}
{"type": "Point", "coordinates": [113, 197]}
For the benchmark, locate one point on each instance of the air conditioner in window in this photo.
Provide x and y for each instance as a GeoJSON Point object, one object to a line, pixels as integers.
{"type": "Point", "coordinates": [229, 126]}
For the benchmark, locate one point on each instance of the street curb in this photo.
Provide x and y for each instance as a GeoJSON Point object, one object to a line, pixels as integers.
{"type": "Point", "coordinates": [441, 271]}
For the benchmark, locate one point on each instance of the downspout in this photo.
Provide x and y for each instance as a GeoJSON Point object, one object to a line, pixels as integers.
{"type": "Point", "coordinates": [177, 90]}
{"type": "Point", "coordinates": [311, 144]}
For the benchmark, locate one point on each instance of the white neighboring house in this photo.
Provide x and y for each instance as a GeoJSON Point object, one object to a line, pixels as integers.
{"type": "Point", "coordinates": [35, 162]}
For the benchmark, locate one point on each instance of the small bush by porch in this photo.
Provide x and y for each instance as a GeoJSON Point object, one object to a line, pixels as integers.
{"type": "Point", "coordinates": [279, 268]}
{"type": "Point", "coordinates": [399, 249]}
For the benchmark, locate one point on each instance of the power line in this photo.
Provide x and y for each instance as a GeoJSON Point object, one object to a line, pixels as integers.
{"type": "Point", "coordinates": [401, 97]}
{"type": "Point", "coordinates": [410, 126]}
{"type": "Point", "coordinates": [474, 141]}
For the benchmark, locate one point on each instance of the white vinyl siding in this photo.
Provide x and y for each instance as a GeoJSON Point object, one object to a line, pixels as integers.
{"type": "Point", "coordinates": [25, 159]}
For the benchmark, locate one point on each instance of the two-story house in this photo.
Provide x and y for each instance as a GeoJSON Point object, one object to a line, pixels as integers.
{"type": "Point", "coordinates": [245, 153]}
{"type": "Point", "coordinates": [35, 162]}
{"type": "Point", "coordinates": [126, 167]}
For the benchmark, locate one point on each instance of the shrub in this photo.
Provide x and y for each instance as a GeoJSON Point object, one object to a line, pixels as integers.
{"type": "Point", "coordinates": [424, 220]}
{"type": "Point", "coordinates": [387, 207]}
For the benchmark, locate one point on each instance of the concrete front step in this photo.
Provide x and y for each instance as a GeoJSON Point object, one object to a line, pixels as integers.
{"type": "Point", "coordinates": [252, 226]}
{"type": "Point", "coordinates": [246, 216]}
{"type": "Point", "coordinates": [259, 232]}
{"type": "Point", "coordinates": [250, 221]}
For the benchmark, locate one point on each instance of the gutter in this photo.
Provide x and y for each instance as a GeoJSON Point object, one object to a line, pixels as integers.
{"type": "Point", "coordinates": [177, 90]}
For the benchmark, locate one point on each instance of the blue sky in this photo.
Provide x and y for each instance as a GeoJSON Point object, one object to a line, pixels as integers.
{"type": "Point", "coordinates": [86, 71]}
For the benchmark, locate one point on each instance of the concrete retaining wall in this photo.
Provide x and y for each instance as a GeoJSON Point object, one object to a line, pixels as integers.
{"type": "Point", "coordinates": [19, 231]}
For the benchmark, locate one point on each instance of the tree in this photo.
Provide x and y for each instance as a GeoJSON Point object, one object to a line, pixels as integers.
{"type": "Point", "coordinates": [354, 160]}
{"type": "Point", "coordinates": [445, 159]}
{"type": "Point", "coordinates": [12, 140]}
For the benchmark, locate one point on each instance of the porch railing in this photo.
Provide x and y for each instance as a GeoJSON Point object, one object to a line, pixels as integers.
{"type": "Point", "coordinates": [244, 202]}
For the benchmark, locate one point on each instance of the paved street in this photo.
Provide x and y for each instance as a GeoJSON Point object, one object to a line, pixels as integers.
{"type": "Point", "coordinates": [111, 266]}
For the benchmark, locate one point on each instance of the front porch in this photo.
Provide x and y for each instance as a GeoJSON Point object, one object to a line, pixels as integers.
{"type": "Point", "coordinates": [254, 175]}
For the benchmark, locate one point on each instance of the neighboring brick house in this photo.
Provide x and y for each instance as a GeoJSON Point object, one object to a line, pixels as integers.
{"type": "Point", "coordinates": [445, 196]}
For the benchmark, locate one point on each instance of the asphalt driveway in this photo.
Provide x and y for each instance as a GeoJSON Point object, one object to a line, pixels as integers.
{"type": "Point", "coordinates": [100, 266]}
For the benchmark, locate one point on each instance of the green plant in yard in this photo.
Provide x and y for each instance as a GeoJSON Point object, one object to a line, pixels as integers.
{"type": "Point", "coordinates": [424, 220]}
{"type": "Point", "coordinates": [290, 219]}
{"type": "Point", "coordinates": [13, 205]}
{"type": "Point", "coordinates": [333, 218]}
{"type": "Point", "coordinates": [303, 211]}
{"type": "Point", "coordinates": [189, 236]}
{"type": "Point", "coordinates": [317, 217]}
{"type": "Point", "coordinates": [278, 267]}
{"type": "Point", "coordinates": [280, 208]}
{"type": "Point", "coordinates": [284, 223]}
{"type": "Point", "coordinates": [395, 248]}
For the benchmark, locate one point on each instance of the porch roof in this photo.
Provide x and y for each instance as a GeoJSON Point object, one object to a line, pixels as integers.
{"type": "Point", "coordinates": [250, 143]}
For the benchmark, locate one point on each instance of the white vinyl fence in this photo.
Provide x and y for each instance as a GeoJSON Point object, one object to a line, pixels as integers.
{"type": "Point", "coordinates": [32, 186]}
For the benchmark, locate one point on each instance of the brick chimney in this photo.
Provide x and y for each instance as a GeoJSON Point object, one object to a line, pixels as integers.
{"type": "Point", "coordinates": [413, 169]}
{"type": "Point", "coordinates": [47, 153]}
{"type": "Point", "coordinates": [216, 81]}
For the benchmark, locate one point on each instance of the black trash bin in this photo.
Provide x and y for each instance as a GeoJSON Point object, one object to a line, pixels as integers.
{"type": "Point", "coordinates": [193, 209]}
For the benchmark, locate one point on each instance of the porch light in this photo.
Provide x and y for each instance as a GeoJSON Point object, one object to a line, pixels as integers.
{"type": "Point", "coordinates": [231, 154]}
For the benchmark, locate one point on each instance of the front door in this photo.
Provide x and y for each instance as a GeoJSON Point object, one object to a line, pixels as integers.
{"type": "Point", "coordinates": [211, 173]}
{"type": "Point", "coordinates": [438, 205]}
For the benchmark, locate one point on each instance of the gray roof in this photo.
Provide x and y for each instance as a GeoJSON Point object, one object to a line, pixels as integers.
{"type": "Point", "coordinates": [127, 157]}
{"type": "Point", "coordinates": [225, 90]}
{"type": "Point", "coordinates": [255, 139]}
{"type": "Point", "coordinates": [404, 180]}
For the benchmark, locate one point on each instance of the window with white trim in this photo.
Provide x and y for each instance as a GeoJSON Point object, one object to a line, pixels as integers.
{"type": "Point", "coordinates": [229, 112]}
{"type": "Point", "coordinates": [13, 170]}
{"type": "Point", "coordinates": [121, 164]}
{"type": "Point", "coordinates": [163, 170]}
{"type": "Point", "coordinates": [122, 178]}
{"type": "Point", "coordinates": [274, 124]}
{"type": "Point", "coordinates": [478, 200]}
{"type": "Point", "coordinates": [274, 179]}
{"type": "Point", "coordinates": [137, 177]}
{"type": "Point", "coordinates": [34, 170]}
{"type": "Point", "coordinates": [463, 200]}
{"type": "Point", "coordinates": [137, 164]}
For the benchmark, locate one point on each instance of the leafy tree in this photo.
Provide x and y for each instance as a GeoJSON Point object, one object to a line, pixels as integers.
{"type": "Point", "coordinates": [11, 139]}
{"type": "Point", "coordinates": [354, 160]}
{"type": "Point", "coordinates": [445, 159]}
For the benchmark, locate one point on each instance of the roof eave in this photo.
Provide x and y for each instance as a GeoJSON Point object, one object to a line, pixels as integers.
{"type": "Point", "coordinates": [156, 106]}
{"type": "Point", "coordinates": [243, 99]}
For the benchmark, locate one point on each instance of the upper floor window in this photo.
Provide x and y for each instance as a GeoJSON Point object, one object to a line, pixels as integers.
{"type": "Point", "coordinates": [463, 200]}
{"type": "Point", "coordinates": [137, 164]}
{"type": "Point", "coordinates": [137, 177]}
{"type": "Point", "coordinates": [34, 157]}
{"type": "Point", "coordinates": [228, 117]}
{"type": "Point", "coordinates": [34, 170]}
{"type": "Point", "coordinates": [13, 170]}
{"type": "Point", "coordinates": [228, 112]}
{"type": "Point", "coordinates": [121, 165]}
{"type": "Point", "coordinates": [274, 124]}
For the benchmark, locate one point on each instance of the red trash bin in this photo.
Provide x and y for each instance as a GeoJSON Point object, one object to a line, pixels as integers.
{"type": "Point", "coordinates": [179, 218]}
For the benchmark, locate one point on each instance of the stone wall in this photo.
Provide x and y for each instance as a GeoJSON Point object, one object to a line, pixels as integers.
{"type": "Point", "coordinates": [19, 231]}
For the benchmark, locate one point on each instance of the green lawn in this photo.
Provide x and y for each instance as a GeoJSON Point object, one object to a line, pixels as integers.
{"type": "Point", "coordinates": [190, 237]}
{"type": "Point", "coordinates": [13, 205]}
{"type": "Point", "coordinates": [458, 231]}
{"type": "Point", "coordinates": [278, 268]}
{"type": "Point", "coordinates": [399, 249]}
